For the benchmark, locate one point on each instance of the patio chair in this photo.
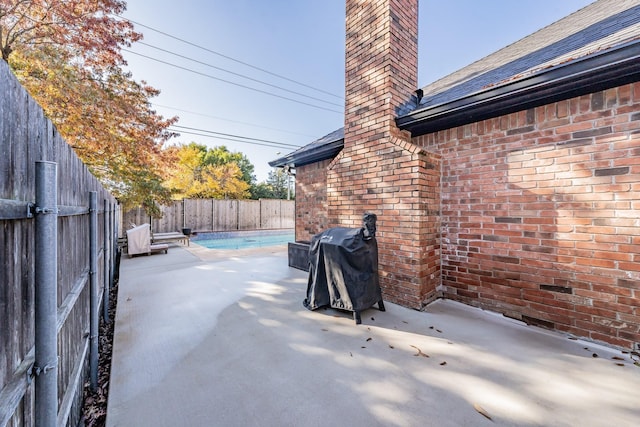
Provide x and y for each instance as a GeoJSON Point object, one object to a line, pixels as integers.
{"type": "Point", "coordinates": [139, 241]}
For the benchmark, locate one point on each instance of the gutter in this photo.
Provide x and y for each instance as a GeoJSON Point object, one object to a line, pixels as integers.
{"type": "Point", "coordinates": [324, 152]}
{"type": "Point", "coordinates": [613, 67]}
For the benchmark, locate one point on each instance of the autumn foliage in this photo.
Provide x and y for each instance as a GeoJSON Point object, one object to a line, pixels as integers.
{"type": "Point", "coordinates": [67, 53]}
{"type": "Point", "coordinates": [209, 173]}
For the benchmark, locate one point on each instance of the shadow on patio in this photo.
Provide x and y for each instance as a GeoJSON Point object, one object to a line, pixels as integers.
{"type": "Point", "coordinates": [204, 340]}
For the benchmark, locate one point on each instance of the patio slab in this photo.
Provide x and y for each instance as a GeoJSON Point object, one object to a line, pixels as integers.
{"type": "Point", "coordinates": [220, 338]}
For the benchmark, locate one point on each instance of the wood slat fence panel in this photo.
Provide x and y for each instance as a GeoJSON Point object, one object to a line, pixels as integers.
{"type": "Point", "coordinates": [249, 214]}
{"type": "Point", "coordinates": [226, 216]}
{"type": "Point", "coordinates": [26, 136]}
{"type": "Point", "coordinates": [171, 219]}
{"type": "Point", "coordinates": [270, 214]}
{"type": "Point", "coordinates": [287, 214]}
{"type": "Point", "coordinates": [216, 215]}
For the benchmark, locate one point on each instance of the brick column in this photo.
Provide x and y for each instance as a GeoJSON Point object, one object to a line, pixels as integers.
{"type": "Point", "coordinates": [379, 169]}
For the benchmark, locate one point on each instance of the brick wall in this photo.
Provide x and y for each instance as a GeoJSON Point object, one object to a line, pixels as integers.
{"type": "Point", "coordinates": [379, 169]}
{"type": "Point", "coordinates": [540, 215]}
{"type": "Point", "coordinates": [311, 200]}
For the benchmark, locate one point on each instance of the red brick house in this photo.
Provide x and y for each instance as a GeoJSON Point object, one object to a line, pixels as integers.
{"type": "Point", "coordinates": [512, 185]}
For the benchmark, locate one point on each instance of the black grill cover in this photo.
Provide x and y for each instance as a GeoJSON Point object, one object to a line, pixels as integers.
{"type": "Point", "coordinates": [343, 270]}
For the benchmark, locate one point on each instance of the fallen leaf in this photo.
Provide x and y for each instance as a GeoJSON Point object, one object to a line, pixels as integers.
{"type": "Point", "coordinates": [438, 330]}
{"type": "Point", "coordinates": [390, 346]}
{"type": "Point", "coordinates": [620, 364]}
{"type": "Point", "coordinates": [369, 339]}
{"type": "Point", "coordinates": [573, 338]}
{"type": "Point", "coordinates": [325, 330]}
{"type": "Point", "coordinates": [405, 322]}
{"type": "Point", "coordinates": [350, 354]}
{"type": "Point", "coordinates": [419, 353]}
{"type": "Point", "coordinates": [617, 358]}
{"type": "Point", "coordinates": [481, 411]}
{"type": "Point", "coordinates": [430, 327]}
{"type": "Point", "coordinates": [363, 347]}
{"type": "Point", "coordinates": [594, 355]}
{"type": "Point", "coordinates": [443, 363]}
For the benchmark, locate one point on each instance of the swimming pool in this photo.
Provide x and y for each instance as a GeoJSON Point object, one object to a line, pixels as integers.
{"type": "Point", "coordinates": [243, 239]}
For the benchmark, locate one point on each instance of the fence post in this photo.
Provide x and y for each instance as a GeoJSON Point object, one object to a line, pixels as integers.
{"type": "Point", "coordinates": [93, 289]}
{"type": "Point", "coordinates": [105, 262]}
{"type": "Point", "coordinates": [46, 299]}
{"type": "Point", "coordinates": [113, 241]}
{"type": "Point", "coordinates": [115, 250]}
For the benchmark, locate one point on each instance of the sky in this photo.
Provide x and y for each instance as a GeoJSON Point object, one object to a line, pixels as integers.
{"type": "Point", "coordinates": [272, 71]}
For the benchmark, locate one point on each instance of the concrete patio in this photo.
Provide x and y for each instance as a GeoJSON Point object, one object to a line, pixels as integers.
{"type": "Point", "coordinates": [216, 338]}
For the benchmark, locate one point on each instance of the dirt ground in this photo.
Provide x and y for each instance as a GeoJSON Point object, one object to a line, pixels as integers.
{"type": "Point", "coordinates": [94, 413]}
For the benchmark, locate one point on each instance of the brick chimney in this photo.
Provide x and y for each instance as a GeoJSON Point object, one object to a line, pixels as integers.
{"type": "Point", "coordinates": [380, 169]}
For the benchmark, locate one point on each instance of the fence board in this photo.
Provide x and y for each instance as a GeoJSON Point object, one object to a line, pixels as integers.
{"type": "Point", "coordinates": [171, 219]}
{"type": "Point", "coordinates": [287, 214]}
{"type": "Point", "coordinates": [270, 212]}
{"type": "Point", "coordinates": [26, 136]}
{"type": "Point", "coordinates": [226, 218]}
{"type": "Point", "coordinates": [249, 215]}
{"type": "Point", "coordinates": [217, 215]}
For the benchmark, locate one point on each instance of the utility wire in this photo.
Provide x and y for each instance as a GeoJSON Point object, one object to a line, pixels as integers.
{"type": "Point", "coordinates": [232, 121]}
{"type": "Point", "coordinates": [225, 138]}
{"type": "Point", "coordinates": [230, 58]}
{"type": "Point", "coordinates": [230, 82]}
{"type": "Point", "coordinates": [238, 74]}
{"type": "Point", "coordinates": [237, 136]}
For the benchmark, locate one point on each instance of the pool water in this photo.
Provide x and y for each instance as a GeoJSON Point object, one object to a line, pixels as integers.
{"type": "Point", "coordinates": [243, 239]}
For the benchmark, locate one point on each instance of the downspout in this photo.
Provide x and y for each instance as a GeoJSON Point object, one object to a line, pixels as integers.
{"type": "Point", "coordinates": [46, 294]}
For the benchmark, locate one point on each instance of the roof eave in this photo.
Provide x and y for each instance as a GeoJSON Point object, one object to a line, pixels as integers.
{"type": "Point", "coordinates": [325, 152]}
{"type": "Point", "coordinates": [611, 68]}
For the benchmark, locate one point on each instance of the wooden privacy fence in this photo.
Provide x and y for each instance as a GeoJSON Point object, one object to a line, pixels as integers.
{"type": "Point", "coordinates": [217, 215]}
{"type": "Point", "coordinates": [57, 262]}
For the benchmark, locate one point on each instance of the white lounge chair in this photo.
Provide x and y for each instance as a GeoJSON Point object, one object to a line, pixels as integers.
{"type": "Point", "coordinates": [139, 241]}
{"type": "Point", "coordinates": [170, 237]}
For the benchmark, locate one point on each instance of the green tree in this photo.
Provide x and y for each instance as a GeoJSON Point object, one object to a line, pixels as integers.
{"type": "Point", "coordinates": [261, 190]}
{"type": "Point", "coordinates": [278, 180]}
{"type": "Point", "coordinates": [221, 156]}
{"type": "Point", "coordinates": [199, 173]}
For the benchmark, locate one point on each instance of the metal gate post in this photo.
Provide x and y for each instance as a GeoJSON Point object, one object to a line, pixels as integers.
{"type": "Point", "coordinates": [46, 294]}
{"type": "Point", "coordinates": [93, 289]}
{"type": "Point", "coordinates": [105, 263]}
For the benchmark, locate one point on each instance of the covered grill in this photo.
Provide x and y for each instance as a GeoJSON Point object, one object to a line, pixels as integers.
{"type": "Point", "coordinates": [343, 269]}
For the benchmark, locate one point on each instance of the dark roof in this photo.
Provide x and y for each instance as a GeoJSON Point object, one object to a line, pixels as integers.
{"type": "Point", "coordinates": [324, 148]}
{"type": "Point", "coordinates": [592, 49]}
{"type": "Point", "coordinates": [595, 48]}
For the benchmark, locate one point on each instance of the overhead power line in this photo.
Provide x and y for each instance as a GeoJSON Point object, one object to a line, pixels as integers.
{"type": "Point", "coordinates": [237, 136]}
{"type": "Point", "coordinates": [232, 59]}
{"type": "Point", "coordinates": [238, 74]}
{"type": "Point", "coordinates": [232, 121]}
{"type": "Point", "coordinates": [230, 82]}
{"type": "Point", "coordinates": [225, 138]}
